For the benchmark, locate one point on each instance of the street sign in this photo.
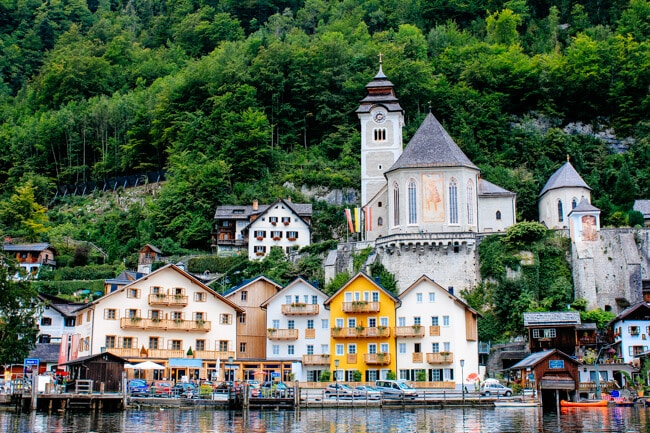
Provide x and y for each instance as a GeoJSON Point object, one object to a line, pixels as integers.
{"type": "Point", "coordinates": [31, 362]}
{"type": "Point", "coordinates": [274, 375]}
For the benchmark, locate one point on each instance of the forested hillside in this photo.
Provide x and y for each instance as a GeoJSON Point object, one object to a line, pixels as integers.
{"type": "Point", "coordinates": [237, 99]}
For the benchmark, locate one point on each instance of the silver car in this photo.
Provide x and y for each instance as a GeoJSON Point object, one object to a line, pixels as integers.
{"type": "Point", "coordinates": [495, 389]}
{"type": "Point", "coordinates": [367, 392]}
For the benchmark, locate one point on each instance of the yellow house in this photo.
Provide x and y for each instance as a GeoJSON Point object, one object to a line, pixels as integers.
{"type": "Point", "coordinates": [362, 316]}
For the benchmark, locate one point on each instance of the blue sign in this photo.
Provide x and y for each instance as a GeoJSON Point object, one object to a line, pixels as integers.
{"type": "Point", "coordinates": [274, 375]}
{"type": "Point", "coordinates": [31, 362]}
{"type": "Point", "coordinates": [556, 364]}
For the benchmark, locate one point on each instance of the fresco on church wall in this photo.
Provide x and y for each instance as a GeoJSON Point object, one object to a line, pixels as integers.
{"type": "Point", "coordinates": [589, 228]}
{"type": "Point", "coordinates": [433, 202]}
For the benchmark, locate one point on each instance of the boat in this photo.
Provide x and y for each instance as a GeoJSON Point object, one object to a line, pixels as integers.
{"type": "Point", "coordinates": [531, 403]}
{"type": "Point", "coordinates": [584, 403]}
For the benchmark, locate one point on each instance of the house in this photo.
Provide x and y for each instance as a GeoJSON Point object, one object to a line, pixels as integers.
{"type": "Point", "coordinates": [643, 206]}
{"type": "Point", "coordinates": [298, 329]}
{"type": "Point", "coordinates": [31, 257]}
{"type": "Point", "coordinates": [552, 330]}
{"type": "Point", "coordinates": [363, 315]}
{"type": "Point", "coordinates": [254, 229]}
{"type": "Point", "coordinates": [631, 332]}
{"type": "Point", "coordinates": [167, 317]}
{"type": "Point", "coordinates": [147, 256]}
{"type": "Point", "coordinates": [101, 368]}
{"type": "Point", "coordinates": [561, 194]}
{"type": "Point", "coordinates": [126, 277]}
{"type": "Point", "coordinates": [436, 335]}
{"type": "Point", "coordinates": [57, 319]}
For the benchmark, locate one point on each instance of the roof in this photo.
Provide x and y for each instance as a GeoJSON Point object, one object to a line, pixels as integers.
{"type": "Point", "coordinates": [447, 292]}
{"type": "Point", "coordinates": [431, 146]}
{"type": "Point", "coordinates": [638, 311]}
{"type": "Point", "coordinates": [642, 206]}
{"type": "Point", "coordinates": [552, 318]}
{"type": "Point", "coordinates": [535, 358]}
{"type": "Point", "coordinates": [565, 177]}
{"type": "Point", "coordinates": [46, 352]}
{"type": "Point", "coordinates": [249, 282]}
{"type": "Point", "coordinates": [380, 92]}
{"type": "Point", "coordinates": [486, 188]}
{"type": "Point", "coordinates": [27, 247]}
{"type": "Point", "coordinates": [244, 212]}
{"type": "Point", "coordinates": [288, 286]}
{"type": "Point", "coordinates": [65, 307]}
{"type": "Point", "coordinates": [291, 206]}
{"type": "Point", "coordinates": [105, 355]}
{"type": "Point", "coordinates": [125, 277]}
{"type": "Point", "coordinates": [356, 277]}
{"type": "Point", "coordinates": [584, 206]}
{"type": "Point", "coordinates": [152, 248]}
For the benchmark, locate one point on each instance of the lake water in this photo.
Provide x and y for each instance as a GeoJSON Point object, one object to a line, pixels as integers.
{"type": "Point", "coordinates": [357, 420]}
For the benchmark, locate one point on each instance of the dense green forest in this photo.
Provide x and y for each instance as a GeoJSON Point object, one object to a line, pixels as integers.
{"type": "Point", "coordinates": [237, 100]}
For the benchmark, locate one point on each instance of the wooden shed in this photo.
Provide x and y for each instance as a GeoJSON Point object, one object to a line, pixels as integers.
{"type": "Point", "coordinates": [103, 368]}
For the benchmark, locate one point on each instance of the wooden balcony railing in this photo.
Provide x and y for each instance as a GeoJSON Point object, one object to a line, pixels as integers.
{"type": "Point", "coordinates": [316, 359]}
{"type": "Point", "coordinates": [345, 332]}
{"type": "Point", "coordinates": [310, 333]}
{"type": "Point", "coordinates": [409, 331]}
{"type": "Point", "coordinates": [417, 357]}
{"type": "Point", "coordinates": [162, 299]}
{"type": "Point", "coordinates": [376, 358]}
{"type": "Point", "coordinates": [213, 354]}
{"type": "Point", "coordinates": [440, 358]}
{"type": "Point", "coordinates": [165, 324]}
{"type": "Point", "coordinates": [361, 307]}
{"type": "Point", "coordinates": [374, 332]}
{"type": "Point", "coordinates": [282, 334]}
{"type": "Point", "coordinates": [434, 331]}
{"type": "Point", "coordinates": [300, 309]}
{"type": "Point", "coordinates": [351, 358]}
{"type": "Point", "coordinates": [150, 353]}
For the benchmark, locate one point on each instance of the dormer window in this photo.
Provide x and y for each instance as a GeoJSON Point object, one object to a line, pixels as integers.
{"type": "Point", "coordinates": [273, 220]}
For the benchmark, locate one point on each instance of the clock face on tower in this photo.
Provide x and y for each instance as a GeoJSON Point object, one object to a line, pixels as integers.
{"type": "Point", "coordinates": [379, 116]}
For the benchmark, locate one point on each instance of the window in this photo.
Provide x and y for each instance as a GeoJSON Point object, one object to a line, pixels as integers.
{"type": "Point", "coordinates": [380, 221]}
{"type": "Point", "coordinates": [352, 322]}
{"type": "Point", "coordinates": [244, 295]}
{"type": "Point", "coordinates": [127, 342]}
{"type": "Point", "coordinates": [291, 324]}
{"type": "Point", "coordinates": [432, 297]}
{"type": "Point", "coordinates": [372, 348]}
{"type": "Point", "coordinates": [560, 212]}
{"type": "Point", "coordinates": [383, 347]}
{"type": "Point", "coordinates": [340, 323]}
{"type": "Point", "coordinates": [544, 333]}
{"type": "Point", "coordinates": [225, 319]}
{"type": "Point", "coordinates": [154, 342]}
{"type": "Point", "coordinates": [275, 349]}
{"type": "Point", "coordinates": [412, 199]}
{"type": "Point", "coordinates": [445, 320]}
{"type": "Point", "coordinates": [401, 321]}
{"type": "Point", "coordinates": [287, 299]}
{"type": "Point", "coordinates": [379, 134]}
{"type": "Point", "coordinates": [375, 296]}
{"type": "Point", "coordinates": [198, 315]}
{"type": "Point", "coordinates": [200, 297]}
{"type": "Point", "coordinates": [273, 220]}
{"type": "Point", "coordinates": [417, 321]}
{"type": "Point", "coordinates": [446, 346]}
{"type": "Point", "coordinates": [417, 347]}
{"type": "Point", "coordinates": [310, 349]}
{"type": "Point", "coordinates": [69, 322]}
{"type": "Point", "coordinates": [325, 348]}
{"type": "Point", "coordinates": [314, 299]}
{"type": "Point", "coordinates": [177, 315]}
{"type": "Point", "coordinates": [156, 314]}
{"type": "Point", "coordinates": [46, 321]}
{"type": "Point", "coordinates": [223, 346]}
{"type": "Point", "coordinates": [401, 348]}
{"type": "Point", "coordinates": [133, 293]}
{"type": "Point", "coordinates": [339, 349]}
{"type": "Point", "coordinates": [110, 342]}
{"type": "Point", "coordinates": [383, 321]}
{"type": "Point", "coordinates": [310, 324]}
{"type": "Point", "coordinates": [435, 347]}
{"type": "Point", "coordinates": [352, 349]}
{"type": "Point", "coordinates": [470, 202]}
{"type": "Point", "coordinates": [395, 205]}
{"type": "Point", "coordinates": [80, 319]}
{"type": "Point", "coordinates": [574, 203]}
{"type": "Point", "coordinates": [276, 324]}
{"type": "Point", "coordinates": [434, 320]}
{"type": "Point", "coordinates": [290, 349]}
{"type": "Point", "coordinates": [453, 202]}
{"type": "Point", "coordinates": [324, 323]}
{"type": "Point", "coordinates": [88, 316]}
{"type": "Point", "coordinates": [418, 298]}
{"type": "Point", "coordinates": [242, 318]}
{"type": "Point", "coordinates": [242, 347]}
{"type": "Point", "coordinates": [372, 322]}
{"type": "Point", "coordinates": [292, 235]}
{"type": "Point", "coordinates": [276, 235]}
{"type": "Point", "coordinates": [132, 313]}
{"type": "Point", "coordinates": [176, 344]}
{"type": "Point", "coordinates": [498, 215]}
{"type": "Point", "coordinates": [634, 330]}
{"type": "Point", "coordinates": [286, 220]}
{"type": "Point", "coordinates": [259, 250]}
{"type": "Point", "coordinates": [110, 314]}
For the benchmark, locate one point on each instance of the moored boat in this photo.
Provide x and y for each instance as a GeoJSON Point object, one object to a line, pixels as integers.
{"type": "Point", "coordinates": [532, 403]}
{"type": "Point", "coordinates": [584, 403]}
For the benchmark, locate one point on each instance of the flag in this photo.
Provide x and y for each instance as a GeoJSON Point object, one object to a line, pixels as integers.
{"type": "Point", "coordinates": [348, 216]}
{"type": "Point", "coordinates": [357, 219]}
{"type": "Point", "coordinates": [368, 211]}
{"type": "Point", "coordinates": [63, 349]}
{"type": "Point", "coordinates": [74, 347]}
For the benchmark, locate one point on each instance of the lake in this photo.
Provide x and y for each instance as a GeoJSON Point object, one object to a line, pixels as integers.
{"type": "Point", "coordinates": [357, 420]}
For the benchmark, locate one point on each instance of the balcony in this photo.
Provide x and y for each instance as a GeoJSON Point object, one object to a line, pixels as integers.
{"type": "Point", "coordinates": [213, 354]}
{"type": "Point", "coordinates": [281, 334]}
{"type": "Point", "coordinates": [168, 300]}
{"type": "Point", "coordinates": [434, 331]}
{"type": "Point", "coordinates": [316, 359]}
{"type": "Point", "coordinates": [376, 358]}
{"type": "Point", "coordinates": [417, 357]}
{"type": "Point", "coordinates": [310, 333]}
{"type": "Point", "coordinates": [165, 324]}
{"type": "Point", "coordinates": [360, 332]}
{"type": "Point", "coordinates": [300, 309]}
{"type": "Point", "coordinates": [409, 331]}
{"type": "Point", "coordinates": [146, 353]}
{"type": "Point", "coordinates": [440, 358]}
{"type": "Point", "coordinates": [361, 307]}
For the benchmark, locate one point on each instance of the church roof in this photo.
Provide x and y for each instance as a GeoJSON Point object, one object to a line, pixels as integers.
{"type": "Point", "coordinates": [585, 206]}
{"type": "Point", "coordinates": [380, 92]}
{"type": "Point", "coordinates": [642, 206]}
{"type": "Point", "coordinates": [486, 188]}
{"type": "Point", "coordinates": [431, 146]}
{"type": "Point", "coordinates": [565, 177]}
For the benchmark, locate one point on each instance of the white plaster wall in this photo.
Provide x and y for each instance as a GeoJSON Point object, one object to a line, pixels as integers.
{"type": "Point", "coordinates": [488, 207]}
{"type": "Point", "coordinates": [55, 330]}
{"type": "Point", "coordinates": [548, 205]}
{"type": "Point", "coordinates": [279, 210]}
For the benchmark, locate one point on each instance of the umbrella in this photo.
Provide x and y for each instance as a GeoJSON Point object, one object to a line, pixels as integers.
{"type": "Point", "coordinates": [128, 365]}
{"type": "Point", "coordinates": [148, 365]}
{"type": "Point", "coordinates": [472, 377]}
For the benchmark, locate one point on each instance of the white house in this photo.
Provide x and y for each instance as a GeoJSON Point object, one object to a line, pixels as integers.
{"type": "Point", "coordinates": [168, 317]}
{"type": "Point", "coordinates": [632, 331]}
{"type": "Point", "coordinates": [436, 334]}
{"type": "Point", "coordinates": [298, 329]}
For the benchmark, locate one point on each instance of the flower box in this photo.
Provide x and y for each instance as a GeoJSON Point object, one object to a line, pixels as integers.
{"type": "Point", "coordinates": [276, 238]}
{"type": "Point", "coordinates": [291, 239]}
{"type": "Point", "coordinates": [260, 238]}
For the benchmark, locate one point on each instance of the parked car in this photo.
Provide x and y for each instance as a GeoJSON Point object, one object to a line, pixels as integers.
{"type": "Point", "coordinates": [396, 389]}
{"type": "Point", "coordinates": [367, 392]}
{"type": "Point", "coordinates": [138, 388]}
{"type": "Point", "coordinates": [339, 390]}
{"type": "Point", "coordinates": [275, 389]}
{"type": "Point", "coordinates": [185, 390]}
{"type": "Point", "coordinates": [161, 388]}
{"type": "Point", "coordinates": [488, 389]}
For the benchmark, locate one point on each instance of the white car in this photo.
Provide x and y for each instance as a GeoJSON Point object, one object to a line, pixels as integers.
{"type": "Point", "coordinates": [495, 389]}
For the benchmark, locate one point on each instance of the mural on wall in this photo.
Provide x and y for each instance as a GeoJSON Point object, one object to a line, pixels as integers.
{"type": "Point", "coordinates": [433, 201]}
{"type": "Point", "coordinates": [589, 230]}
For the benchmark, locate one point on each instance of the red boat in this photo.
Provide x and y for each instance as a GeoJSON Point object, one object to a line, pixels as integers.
{"type": "Point", "coordinates": [584, 403]}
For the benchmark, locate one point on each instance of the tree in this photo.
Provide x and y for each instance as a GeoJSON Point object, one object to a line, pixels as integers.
{"type": "Point", "coordinates": [19, 308]}
{"type": "Point", "coordinates": [22, 216]}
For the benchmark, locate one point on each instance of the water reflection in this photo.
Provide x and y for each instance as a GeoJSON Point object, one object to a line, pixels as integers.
{"type": "Point", "coordinates": [357, 420]}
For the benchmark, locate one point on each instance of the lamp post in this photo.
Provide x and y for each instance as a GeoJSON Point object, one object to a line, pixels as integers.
{"type": "Point", "coordinates": [596, 368]}
{"type": "Point", "coordinates": [462, 379]}
{"type": "Point", "coordinates": [336, 369]}
{"type": "Point", "coordinates": [230, 378]}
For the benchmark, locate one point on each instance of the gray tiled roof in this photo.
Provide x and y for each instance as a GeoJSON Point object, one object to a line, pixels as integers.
{"type": "Point", "coordinates": [552, 318]}
{"type": "Point", "coordinates": [431, 146]}
{"type": "Point", "coordinates": [642, 206]}
{"type": "Point", "coordinates": [488, 188]}
{"type": "Point", "coordinates": [584, 206]}
{"type": "Point", "coordinates": [244, 212]}
{"type": "Point", "coordinates": [565, 176]}
{"type": "Point", "coordinates": [45, 352]}
{"type": "Point", "coordinates": [27, 247]}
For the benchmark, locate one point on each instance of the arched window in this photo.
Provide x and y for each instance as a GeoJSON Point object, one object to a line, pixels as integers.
{"type": "Point", "coordinates": [470, 202]}
{"type": "Point", "coordinates": [380, 221]}
{"type": "Point", "coordinates": [498, 215]}
{"type": "Point", "coordinates": [413, 214]}
{"type": "Point", "coordinates": [395, 205]}
{"type": "Point", "coordinates": [453, 202]}
{"type": "Point", "coordinates": [574, 203]}
{"type": "Point", "coordinates": [560, 211]}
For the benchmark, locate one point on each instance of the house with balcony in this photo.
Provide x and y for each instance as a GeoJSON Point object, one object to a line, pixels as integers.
{"type": "Point", "coordinates": [255, 229]}
{"type": "Point", "coordinates": [168, 317]}
{"type": "Point", "coordinates": [631, 333]}
{"type": "Point", "coordinates": [298, 329]}
{"type": "Point", "coordinates": [31, 257]}
{"type": "Point", "coordinates": [553, 330]}
{"type": "Point", "coordinates": [362, 320]}
{"type": "Point", "coordinates": [147, 256]}
{"type": "Point", "coordinates": [436, 335]}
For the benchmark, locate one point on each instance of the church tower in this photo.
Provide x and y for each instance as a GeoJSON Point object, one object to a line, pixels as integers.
{"type": "Point", "coordinates": [382, 120]}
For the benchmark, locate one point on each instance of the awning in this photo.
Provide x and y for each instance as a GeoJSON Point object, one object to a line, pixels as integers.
{"type": "Point", "coordinates": [185, 363]}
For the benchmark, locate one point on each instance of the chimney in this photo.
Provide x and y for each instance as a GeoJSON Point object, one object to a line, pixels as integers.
{"type": "Point", "coordinates": [289, 199]}
{"type": "Point", "coordinates": [255, 204]}
{"type": "Point", "coordinates": [450, 289]}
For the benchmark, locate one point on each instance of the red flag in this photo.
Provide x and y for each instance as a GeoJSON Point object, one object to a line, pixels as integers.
{"type": "Point", "coordinates": [74, 347]}
{"type": "Point", "coordinates": [368, 211]}
{"type": "Point", "coordinates": [63, 350]}
{"type": "Point", "coordinates": [348, 215]}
